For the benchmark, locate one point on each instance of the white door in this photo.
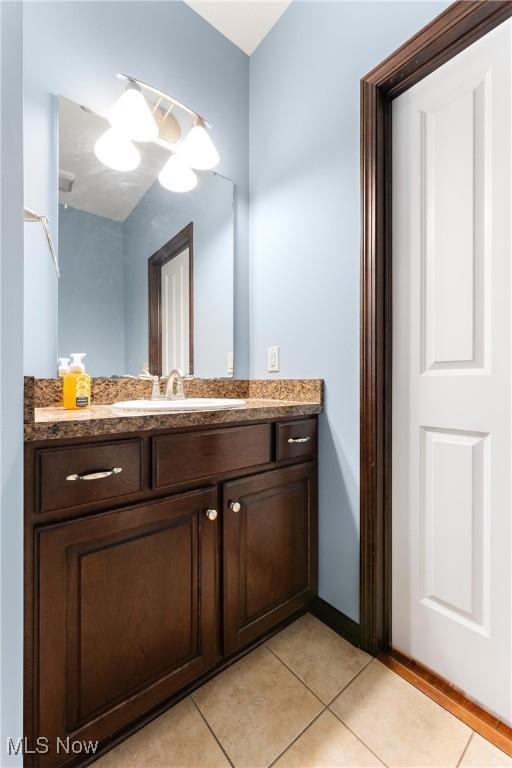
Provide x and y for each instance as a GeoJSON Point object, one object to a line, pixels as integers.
{"type": "Point", "coordinates": [452, 292]}
{"type": "Point", "coordinates": [175, 313]}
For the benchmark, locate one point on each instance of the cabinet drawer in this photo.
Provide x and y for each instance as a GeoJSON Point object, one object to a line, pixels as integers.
{"type": "Point", "coordinates": [186, 457]}
{"type": "Point", "coordinates": [80, 475]}
{"type": "Point", "coordinates": [296, 439]}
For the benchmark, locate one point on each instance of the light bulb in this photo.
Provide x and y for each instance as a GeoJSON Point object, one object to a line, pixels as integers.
{"type": "Point", "coordinates": [198, 150]}
{"type": "Point", "coordinates": [132, 116]}
{"type": "Point", "coordinates": [177, 176]}
{"type": "Point", "coordinates": [115, 151]}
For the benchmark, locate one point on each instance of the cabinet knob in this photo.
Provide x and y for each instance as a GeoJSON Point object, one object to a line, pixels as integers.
{"type": "Point", "coordinates": [211, 514]}
{"type": "Point", "coordinates": [235, 506]}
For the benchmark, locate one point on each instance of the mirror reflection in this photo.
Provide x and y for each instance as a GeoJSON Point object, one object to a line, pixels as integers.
{"type": "Point", "coordinates": [146, 273]}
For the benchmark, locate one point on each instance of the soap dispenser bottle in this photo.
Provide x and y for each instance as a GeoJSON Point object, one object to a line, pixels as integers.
{"type": "Point", "coordinates": [63, 364]}
{"type": "Point", "coordinates": [77, 384]}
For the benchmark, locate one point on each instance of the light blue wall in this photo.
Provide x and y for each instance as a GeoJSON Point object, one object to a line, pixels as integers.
{"type": "Point", "coordinates": [11, 378]}
{"type": "Point", "coordinates": [91, 290]}
{"type": "Point", "coordinates": [75, 49]}
{"type": "Point", "coordinates": [155, 220]}
{"type": "Point", "coordinates": [305, 233]}
{"type": "Point", "coordinates": [304, 158]}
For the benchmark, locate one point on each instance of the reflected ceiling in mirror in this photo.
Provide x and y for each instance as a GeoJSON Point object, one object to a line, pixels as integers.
{"type": "Point", "coordinates": [113, 226]}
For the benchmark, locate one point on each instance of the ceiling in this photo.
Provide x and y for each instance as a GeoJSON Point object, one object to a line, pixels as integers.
{"type": "Point", "coordinates": [244, 22]}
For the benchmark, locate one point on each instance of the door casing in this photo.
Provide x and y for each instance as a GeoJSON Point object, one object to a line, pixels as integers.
{"type": "Point", "coordinates": [456, 28]}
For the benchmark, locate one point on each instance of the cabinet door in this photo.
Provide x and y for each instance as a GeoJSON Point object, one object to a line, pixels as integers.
{"type": "Point", "coordinates": [127, 614]}
{"type": "Point", "coordinates": [270, 550]}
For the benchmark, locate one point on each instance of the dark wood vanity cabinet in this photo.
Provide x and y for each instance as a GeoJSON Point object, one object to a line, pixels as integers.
{"type": "Point", "coordinates": [132, 598]}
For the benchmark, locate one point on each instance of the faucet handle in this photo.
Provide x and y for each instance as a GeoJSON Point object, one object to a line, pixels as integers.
{"type": "Point", "coordinates": [155, 389]}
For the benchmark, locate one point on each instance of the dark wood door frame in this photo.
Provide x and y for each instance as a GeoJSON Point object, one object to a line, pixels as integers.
{"type": "Point", "coordinates": [177, 244]}
{"type": "Point", "coordinates": [448, 34]}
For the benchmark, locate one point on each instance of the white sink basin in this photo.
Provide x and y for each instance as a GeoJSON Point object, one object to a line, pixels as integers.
{"type": "Point", "coordinates": [190, 404]}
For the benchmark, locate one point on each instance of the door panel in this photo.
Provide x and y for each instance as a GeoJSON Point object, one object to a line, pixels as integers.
{"type": "Point", "coordinates": [451, 371]}
{"type": "Point", "coordinates": [279, 518]}
{"type": "Point", "coordinates": [453, 154]}
{"type": "Point", "coordinates": [269, 551]}
{"type": "Point", "coordinates": [175, 298]}
{"type": "Point", "coordinates": [127, 598]}
{"type": "Point", "coordinates": [454, 552]}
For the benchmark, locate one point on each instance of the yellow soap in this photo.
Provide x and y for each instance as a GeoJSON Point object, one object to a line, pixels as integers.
{"type": "Point", "coordinates": [76, 384]}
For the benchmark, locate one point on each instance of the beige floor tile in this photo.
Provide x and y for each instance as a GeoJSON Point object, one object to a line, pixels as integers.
{"type": "Point", "coordinates": [177, 739]}
{"type": "Point", "coordinates": [399, 723]}
{"type": "Point", "coordinates": [327, 744]}
{"type": "Point", "coordinates": [256, 708]}
{"type": "Point", "coordinates": [482, 754]}
{"type": "Point", "coordinates": [321, 658]}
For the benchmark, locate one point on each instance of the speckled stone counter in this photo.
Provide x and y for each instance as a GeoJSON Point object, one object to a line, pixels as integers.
{"type": "Point", "coordinates": [272, 399]}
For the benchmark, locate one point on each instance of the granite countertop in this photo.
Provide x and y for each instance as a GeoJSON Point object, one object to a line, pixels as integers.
{"type": "Point", "coordinates": [103, 419]}
{"type": "Point", "coordinates": [46, 420]}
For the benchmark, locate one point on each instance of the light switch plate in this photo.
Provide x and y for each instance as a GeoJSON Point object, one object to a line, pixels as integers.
{"type": "Point", "coordinates": [273, 359]}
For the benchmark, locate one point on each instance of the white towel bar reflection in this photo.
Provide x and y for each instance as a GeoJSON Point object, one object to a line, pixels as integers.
{"type": "Point", "coordinates": [31, 217]}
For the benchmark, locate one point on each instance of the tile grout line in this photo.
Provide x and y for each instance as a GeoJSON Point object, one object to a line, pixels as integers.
{"type": "Point", "coordinates": [296, 676]}
{"type": "Point", "coordinates": [350, 681]}
{"type": "Point", "coordinates": [326, 707]}
{"type": "Point", "coordinates": [203, 717]}
{"type": "Point", "coordinates": [461, 758]}
{"type": "Point", "coordinates": [359, 738]}
{"type": "Point", "coordinates": [290, 745]}
{"type": "Point", "coordinates": [310, 689]}
{"type": "Point", "coordinates": [372, 658]}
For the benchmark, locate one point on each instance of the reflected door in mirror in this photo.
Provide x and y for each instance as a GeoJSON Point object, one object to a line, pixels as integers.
{"type": "Point", "coordinates": [175, 313]}
{"type": "Point", "coordinates": [170, 276]}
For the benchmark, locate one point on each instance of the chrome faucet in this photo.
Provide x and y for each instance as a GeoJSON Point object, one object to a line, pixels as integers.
{"type": "Point", "coordinates": [175, 377]}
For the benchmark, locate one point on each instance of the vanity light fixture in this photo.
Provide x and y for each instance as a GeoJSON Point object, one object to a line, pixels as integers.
{"type": "Point", "coordinates": [177, 176]}
{"type": "Point", "coordinates": [116, 151]}
{"type": "Point", "coordinates": [133, 119]}
{"type": "Point", "coordinates": [198, 150]}
{"type": "Point", "coordinates": [132, 116]}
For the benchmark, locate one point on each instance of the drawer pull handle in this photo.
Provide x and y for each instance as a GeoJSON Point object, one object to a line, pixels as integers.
{"type": "Point", "coordinates": [299, 439]}
{"type": "Point", "coordinates": [211, 514]}
{"type": "Point", "coordinates": [95, 475]}
{"type": "Point", "coordinates": [235, 506]}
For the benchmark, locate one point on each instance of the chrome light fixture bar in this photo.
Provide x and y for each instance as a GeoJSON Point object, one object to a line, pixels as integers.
{"type": "Point", "coordinates": [164, 96]}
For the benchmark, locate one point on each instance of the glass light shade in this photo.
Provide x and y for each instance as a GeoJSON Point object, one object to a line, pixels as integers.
{"type": "Point", "coordinates": [198, 150]}
{"type": "Point", "coordinates": [177, 176]}
{"type": "Point", "coordinates": [115, 151]}
{"type": "Point", "coordinates": [132, 116]}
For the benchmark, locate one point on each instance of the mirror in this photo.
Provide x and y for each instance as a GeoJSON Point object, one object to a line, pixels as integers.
{"type": "Point", "coordinates": [146, 274]}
